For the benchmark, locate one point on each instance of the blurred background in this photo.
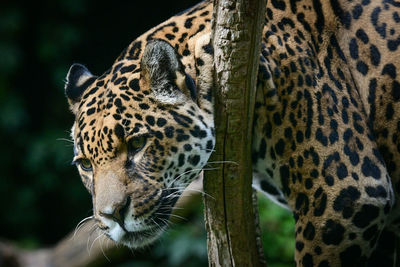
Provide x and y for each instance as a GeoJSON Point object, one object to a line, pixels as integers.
{"type": "Point", "coordinates": [41, 194]}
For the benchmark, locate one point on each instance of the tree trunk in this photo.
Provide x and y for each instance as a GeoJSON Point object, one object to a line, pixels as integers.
{"type": "Point", "coordinates": [237, 27]}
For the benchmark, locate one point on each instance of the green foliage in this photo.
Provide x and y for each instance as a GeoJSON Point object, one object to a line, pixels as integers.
{"type": "Point", "coordinates": [277, 226]}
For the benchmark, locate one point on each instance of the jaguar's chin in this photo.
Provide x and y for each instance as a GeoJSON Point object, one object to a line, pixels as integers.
{"type": "Point", "coordinates": [140, 238]}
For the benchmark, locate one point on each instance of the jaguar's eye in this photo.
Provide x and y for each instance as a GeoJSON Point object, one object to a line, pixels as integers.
{"type": "Point", "coordinates": [137, 143]}
{"type": "Point", "coordinates": [85, 165]}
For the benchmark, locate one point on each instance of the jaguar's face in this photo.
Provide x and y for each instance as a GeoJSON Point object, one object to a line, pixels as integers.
{"type": "Point", "coordinates": [140, 139]}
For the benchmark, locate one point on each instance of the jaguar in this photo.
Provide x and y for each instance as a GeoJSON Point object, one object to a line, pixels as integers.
{"type": "Point", "coordinates": [326, 132]}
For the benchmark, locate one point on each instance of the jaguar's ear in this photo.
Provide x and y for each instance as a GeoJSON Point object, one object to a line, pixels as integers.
{"type": "Point", "coordinates": [77, 81]}
{"type": "Point", "coordinates": [164, 73]}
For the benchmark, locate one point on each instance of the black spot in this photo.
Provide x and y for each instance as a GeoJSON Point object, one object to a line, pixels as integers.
{"type": "Point", "coordinates": [390, 70]}
{"type": "Point", "coordinates": [161, 122]}
{"type": "Point", "coordinates": [357, 11]}
{"type": "Point", "coordinates": [181, 119]}
{"type": "Point", "coordinates": [319, 203]}
{"type": "Point", "coordinates": [138, 116]}
{"type": "Point", "coordinates": [119, 131]}
{"type": "Point", "coordinates": [381, 29]}
{"type": "Point", "coordinates": [277, 118]}
{"type": "Point", "coordinates": [324, 263]}
{"type": "Point", "coordinates": [302, 204]}
{"type": "Point", "coordinates": [308, 260]}
{"type": "Point", "coordinates": [309, 231]}
{"type": "Point", "coordinates": [90, 111]}
{"type": "Point", "coordinates": [299, 136]}
{"type": "Point", "coordinates": [169, 131]}
{"type": "Point", "coordinates": [279, 4]}
{"type": "Point", "coordinates": [320, 22]}
{"type": "Point", "coordinates": [285, 175]}
{"type": "Point", "coordinates": [393, 44]}
{"type": "Point", "coordinates": [314, 173]}
{"type": "Point", "coordinates": [144, 106]}
{"type": "Point", "coordinates": [345, 202]}
{"type": "Point", "coordinates": [94, 100]}
{"type": "Point", "coordinates": [375, 55]}
{"type": "Point", "coordinates": [362, 67]}
{"type": "Point", "coordinates": [329, 180]}
{"type": "Point", "coordinates": [396, 90]}
{"type": "Point", "coordinates": [134, 85]}
{"type": "Point", "coordinates": [369, 168]}
{"type": "Point", "coordinates": [181, 160]}
{"type": "Point", "coordinates": [303, 21]}
{"type": "Point", "coordinates": [199, 62]}
{"type": "Point", "coordinates": [117, 116]}
{"type": "Point", "coordinates": [341, 171]}
{"type": "Point", "coordinates": [321, 137]}
{"type": "Point", "coordinates": [210, 145]}
{"type": "Point", "coordinates": [125, 97]}
{"type": "Point", "coordinates": [187, 147]}
{"type": "Point", "coordinates": [158, 135]}
{"type": "Point", "coordinates": [308, 183]}
{"type": "Point", "coordinates": [362, 36]}
{"type": "Point", "coordinates": [262, 149]}
{"type": "Point", "coordinates": [197, 132]}
{"type": "Point", "coordinates": [280, 147]}
{"type": "Point", "coordinates": [270, 189]}
{"type": "Point", "coordinates": [188, 22]}
{"type": "Point", "coordinates": [299, 245]}
{"type": "Point", "coordinates": [353, 47]}
{"type": "Point", "coordinates": [389, 111]}
{"type": "Point", "coordinates": [129, 68]}
{"type": "Point", "coordinates": [182, 137]}
{"type": "Point", "coordinates": [150, 120]}
{"type": "Point", "coordinates": [365, 216]}
{"type": "Point", "coordinates": [332, 233]}
{"type": "Point", "coordinates": [345, 17]}
{"type": "Point", "coordinates": [170, 36]}
{"type": "Point", "coordinates": [194, 160]}
{"type": "Point", "coordinates": [318, 250]}
{"type": "Point", "coordinates": [288, 133]}
{"type": "Point", "coordinates": [376, 192]}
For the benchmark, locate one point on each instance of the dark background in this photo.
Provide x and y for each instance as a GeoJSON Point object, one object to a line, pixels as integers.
{"type": "Point", "coordinates": [41, 194]}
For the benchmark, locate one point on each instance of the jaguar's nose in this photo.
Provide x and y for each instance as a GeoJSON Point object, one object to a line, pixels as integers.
{"type": "Point", "coordinates": [119, 212]}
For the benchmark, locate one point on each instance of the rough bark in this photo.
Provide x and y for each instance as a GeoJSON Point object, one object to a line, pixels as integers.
{"type": "Point", "coordinates": [237, 27]}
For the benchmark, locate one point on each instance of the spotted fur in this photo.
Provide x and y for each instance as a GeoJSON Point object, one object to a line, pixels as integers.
{"type": "Point", "coordinates": [326, 141]}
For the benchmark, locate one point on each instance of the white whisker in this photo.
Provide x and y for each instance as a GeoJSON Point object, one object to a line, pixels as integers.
{"type": "Point", "coordinates": [94, 241]}
{"type": "Point", "coordinates": [179, 217]}
{"type": "Point", "coordinates": [186, 172]}
{"type": "Point", "coordinates": [201, 192]}
{"type": "Point", "coordinates": [223, 161]}
{"type": "Point", "coordinates": [80, 225]}
{"type": "Point", "coordinates": [65, 139]}
{"type": "Point", "coordinates": [180, 175]}
{"type": "Point", "coordinates": [92, 230]}
{"type": "Point", "coordinates": [101, 247]}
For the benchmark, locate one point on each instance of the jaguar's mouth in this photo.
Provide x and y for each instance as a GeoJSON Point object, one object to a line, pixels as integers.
{"type": "Point", "coordinates": [153, 226]}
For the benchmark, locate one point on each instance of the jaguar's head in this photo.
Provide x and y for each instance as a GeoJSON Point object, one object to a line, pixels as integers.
{"type": "Point", "coordinates": [140, 138]}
